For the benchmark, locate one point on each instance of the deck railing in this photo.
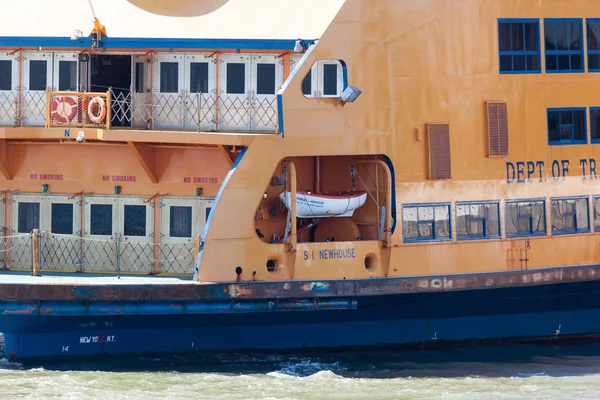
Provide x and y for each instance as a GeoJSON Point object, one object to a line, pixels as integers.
{"type": "Point", "coordinates": [146, 110]}
{"type": "Point", "coordinates": [45, 251]}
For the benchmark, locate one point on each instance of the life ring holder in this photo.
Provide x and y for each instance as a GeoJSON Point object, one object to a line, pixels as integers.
{"type": "Point", "coordinates": [59, 107]}
{"type": "Point", "coordinates": [97, 103]}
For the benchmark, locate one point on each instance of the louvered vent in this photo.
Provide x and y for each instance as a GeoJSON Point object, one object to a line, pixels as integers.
{"type": "Point", "coordinates": [438, 138]}
{"type": "Point", "coordinates": [497, 120]}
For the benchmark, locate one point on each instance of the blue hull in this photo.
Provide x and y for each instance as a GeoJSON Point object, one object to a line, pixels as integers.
{"type": "Point", "coordinates": [67, 329]}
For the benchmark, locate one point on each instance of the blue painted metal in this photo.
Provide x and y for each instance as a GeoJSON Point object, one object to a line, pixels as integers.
{"type": "Point", "coordinates": [544, 311]}
{"type": "Point", "coordinates": [212, 211]}
{"type": "Point", "coordinates": [280, 126]}
{"type": "Point", "coordinates": [151, 43]}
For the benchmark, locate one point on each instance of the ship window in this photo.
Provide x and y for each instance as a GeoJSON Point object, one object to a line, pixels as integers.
{"type": "Point", "coordinates": [28, 217]}
{"type": "Point", "coordinates": [61, 218]}
{"type": "Point", "coordinates": [477, 220]}
{"type": "Point", "coordinates": [593, 43]}
{"type": "Point", "coordinates": [38, 70]}
{"type": "Point", "coordinates": [265, 79]}
{"type": "Point", "coordinates": [597, 214]}
{"type": "Point", "coordinates": [67, 75]}
{"type": "Point", "coordinates": [519, 45]}
{"type": "Point", "coordinates": [101, 219]}
{"type": "Point", "coordinates": [307, 84]}
{"type": "Point", "coordinates": [525, 218]}
{"type": "Point", "coordinates": [569, 215]}
{"type": "Point", "coordinates": [595, 124]}
{"type": "Point", "coordinates": [180, 222]}
{"type": "Point", "coordinates": [5, 74]}
{"type": "Point", "coordinates": [426, 222]}
{"type": "Point", "coordinates": [438, 137]}
{"type": "Point", "coordinates": [330, 79]}
{"type": "Point", "coordinates": [566, 126]}
{"type": "Point", "coordinates": [563, 45]}
{"type": "Point", "coordinates": [169, 77]}
{"type": "Point", "coordinates": [497, 119]}
{"type": "Point", "coordinates": [207, 213]}
{"type": "Point", "coordinates": [236, 78]}
{"type": "Point", "coordinates": [135, 220]}
{"type": "Point", "coordinates": [199, 77]}
{"type": "Point", "coordinates": [140, 82]}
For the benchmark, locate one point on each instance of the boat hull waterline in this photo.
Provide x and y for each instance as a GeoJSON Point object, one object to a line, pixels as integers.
{"type": "Point", "coordinates": [63, 329]}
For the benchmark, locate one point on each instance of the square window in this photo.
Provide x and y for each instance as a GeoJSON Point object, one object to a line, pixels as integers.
{"type": "Point", "coordinates": [426, 222]}
{"type": "Point", "coordinates": [563, 45]}
{"type": "Point", "coordinates": [5, 75]}
{"type": "Point", "coordinates": [38, 70]}
{"type": "Point", "coordinates": [67, 75]}
{"type": "Point", "coordinates": [330, 79]}
{"type": "Point", "coordinates": [566, 126]}
{"type": "Point", "coordinates": [28, 217]}
{"type": "Point", "coordinates": [180, 222]}
{"type": "Point", "coordinates": [236, 78]}
{"type": "Point", "coordinates": [169, 77]}
{"type": "Point", "coordinates": [199, 77]}
{"type": "Point", "coordinates": [525, 218]}
{"type": "Point", "coordinates": [477, 220]}
{"type": "Point", "coordinates": [61, 218]}
{"type": "Point", "coordinates": [593, 44]}
{"type": "Point", "coordinates": [265, 79]}
{"type": "Point", "coordinates": [519, 45]}
{"type": "Point", "coordinates": [134, 221]}
{"type": "Point", "coordinates": [569, 215]}
{"type": "Point", "coordinates": [101, 219]}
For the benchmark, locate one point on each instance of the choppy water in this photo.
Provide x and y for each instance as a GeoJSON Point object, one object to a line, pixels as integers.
{"type": "Point", "coordinates": [513, 372]}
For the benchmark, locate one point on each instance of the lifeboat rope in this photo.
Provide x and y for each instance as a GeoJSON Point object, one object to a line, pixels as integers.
{"type": "Point", "coordinates": [365, 185]}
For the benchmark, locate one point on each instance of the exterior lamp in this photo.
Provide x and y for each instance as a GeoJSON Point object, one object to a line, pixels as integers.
{"type": "Point", "coordinates": [265, 195]}
{"type": "Point", "coordinates": [299, 46]}
{"type": "Point", "coordinates": [350, 94]}
{"type": "Point", "coordinates": [45, 188]}
{"type": "Point", "coordinates": [117, 189]}
{"type": "Point", "coordinates": [198, 192]}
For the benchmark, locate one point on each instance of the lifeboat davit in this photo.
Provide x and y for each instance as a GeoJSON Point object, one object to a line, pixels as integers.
{"type": "Point", "coordinates": [341, 204]}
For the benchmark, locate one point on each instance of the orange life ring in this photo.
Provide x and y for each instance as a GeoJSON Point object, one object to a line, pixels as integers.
{"type": "Point", "coordinates": [63, 109]}
{"type": "Point", "coordinates": [96, 104]}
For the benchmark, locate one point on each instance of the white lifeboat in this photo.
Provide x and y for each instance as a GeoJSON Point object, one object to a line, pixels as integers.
{"type": "Point", "coordinates": [341, 204]}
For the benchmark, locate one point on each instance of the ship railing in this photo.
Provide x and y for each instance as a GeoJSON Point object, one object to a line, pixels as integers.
{"type": "Point", "coordinates": [16, 252]}
{"type": "Point", "coordinates": [194, 111]}
{"type": "Point", "coordinates": [78, 109]}
{"type": "Point", "coordinates": [60, 252]}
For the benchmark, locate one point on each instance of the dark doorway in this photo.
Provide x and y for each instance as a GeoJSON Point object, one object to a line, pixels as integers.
{"type": "Point", "coordinates": [114, 71]}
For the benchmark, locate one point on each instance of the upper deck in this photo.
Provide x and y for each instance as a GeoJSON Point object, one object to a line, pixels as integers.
{"type": "Point", "coordinates": [203, 73]}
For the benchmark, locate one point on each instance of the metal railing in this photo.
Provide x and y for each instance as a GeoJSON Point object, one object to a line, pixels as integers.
{"type": "Point", "coordinates": [45, 251]}
{"type": "Point", "coordinates": [183, 110]}
{"type": "Point", "coordinates": [78, 109]}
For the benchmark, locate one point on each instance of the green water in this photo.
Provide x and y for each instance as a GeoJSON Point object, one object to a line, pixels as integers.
{"type": "Point", "coordinates": [482, 373]}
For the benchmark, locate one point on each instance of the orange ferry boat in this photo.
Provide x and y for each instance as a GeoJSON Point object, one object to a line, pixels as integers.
{"type": "Point", "coordinates": [272, 174]}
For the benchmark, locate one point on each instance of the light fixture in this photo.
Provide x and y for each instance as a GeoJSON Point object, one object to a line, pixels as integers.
{"type": "Point", "coordinates": [198, 192]}
{"type": "Point", "coordinates": [117, 189]}
{"type": "Point", "coordinates": [45, 188]}
{"type": "Point", "coordinates": [299, 46]}
{"type": "Point", "coordinates": [80, 136]}
{"type": "Point", "coordinates": [308, 192]}
{"type": "Point", "coordinates": [350, 94]}
{"type": "Point", "coordinates": [76, 35]}
{"type": "Point", "coordinates": [265, 195]}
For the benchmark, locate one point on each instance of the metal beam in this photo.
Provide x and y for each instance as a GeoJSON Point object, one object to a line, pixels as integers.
{"type": "Point", "coordinates": [4, 163]}
{"type": "Point", "coordinates": [146, 156]}
{"type": "Point", "coordinates": [226, 154]}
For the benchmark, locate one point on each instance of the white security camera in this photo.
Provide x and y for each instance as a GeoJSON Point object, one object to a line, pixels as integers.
{"type": "Point", "coordinates": [80, 136]}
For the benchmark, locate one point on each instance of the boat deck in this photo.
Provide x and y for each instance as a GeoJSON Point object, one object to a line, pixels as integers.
{"type": "Point", "coordinates": [22, 277]}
